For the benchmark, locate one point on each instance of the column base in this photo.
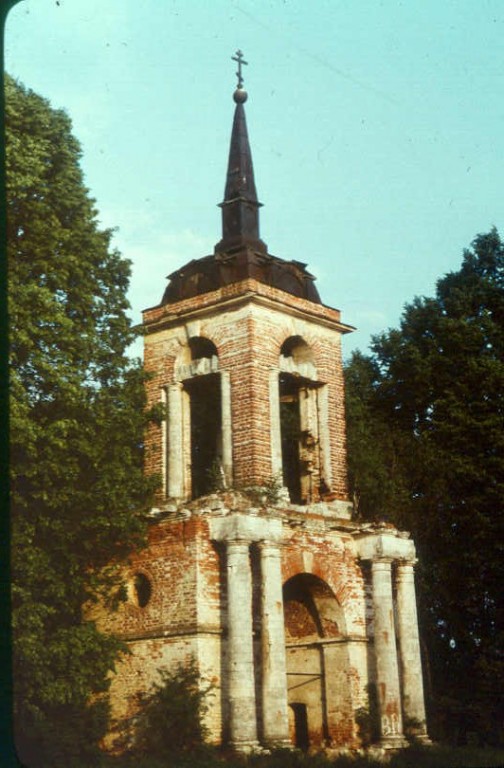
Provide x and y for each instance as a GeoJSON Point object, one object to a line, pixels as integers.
{"type": "Point", "coordinates": [245, 747]}
{"type": "Point", "coordinates": [278, 744]}
{"type": "Point", "coordinates": [421, 738]}
{"type": "Point", "coordinates": [394, 742]}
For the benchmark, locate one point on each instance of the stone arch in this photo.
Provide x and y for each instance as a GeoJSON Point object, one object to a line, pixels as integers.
{"type": "Point", "coordinates": [202, 347]}
{"type": "Point", "coordinates": [197, 357]}
{"type": "Point", "coordinates": [297, 348]}
{"type": "Point", "coordinates": [317, 660]}
{"type": "Point", "coordinates": [320, 607]}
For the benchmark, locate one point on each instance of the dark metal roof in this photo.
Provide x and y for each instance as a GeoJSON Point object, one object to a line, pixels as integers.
{"type": "Point", "coordinates": [213, 272]}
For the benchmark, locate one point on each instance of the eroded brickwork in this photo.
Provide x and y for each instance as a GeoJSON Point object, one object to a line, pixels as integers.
{"type": "Point", "coordinates": [271, 597]}
{"type": "Point", "coordinates": [248, 334]}
{"type": "Point", "coordinates": [284, 602]}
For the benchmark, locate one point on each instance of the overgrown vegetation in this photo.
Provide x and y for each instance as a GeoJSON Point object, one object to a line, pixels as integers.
{"type": "Point", "coordinates": [170, 719]}
{"type": "Point", "coordinates": [425, 414]}
{"type": "Point", "coordinates": [414, 757]}
{"type": "Point", "coordinates": [269, 493]}
{"type": "Point", "coordinates": [76, 426]}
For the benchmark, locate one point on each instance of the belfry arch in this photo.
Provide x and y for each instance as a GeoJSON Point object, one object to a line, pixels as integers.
{"type": "Point", "coordinates": [303, 423]}
{"type": "Point", "coordinates": [205, 433]}
{"type": "Point", "coordinates": [197, 435]}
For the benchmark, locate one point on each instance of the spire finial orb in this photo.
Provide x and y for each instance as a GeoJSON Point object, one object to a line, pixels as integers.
{"type": "Point", "coordinates": [240, 95]}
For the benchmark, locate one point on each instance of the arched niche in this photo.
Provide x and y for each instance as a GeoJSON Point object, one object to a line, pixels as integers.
{"type": "Point", "coordinates": [311, 608]}
{"type": "Point", "coordinates": [317, 660]}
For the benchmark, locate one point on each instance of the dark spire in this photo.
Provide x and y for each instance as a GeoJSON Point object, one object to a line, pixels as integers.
{"type": "Point", "coordinates": [241, 253]}
{"type": "Point", "coordinates": [240, 208]}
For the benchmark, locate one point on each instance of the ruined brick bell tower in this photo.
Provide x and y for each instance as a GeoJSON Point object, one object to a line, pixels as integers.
{"type": "Point", "coordinates": [301, 617]}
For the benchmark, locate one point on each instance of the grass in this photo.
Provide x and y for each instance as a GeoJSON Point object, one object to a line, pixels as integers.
{"type": "Point", "coordinates": [438, 756]}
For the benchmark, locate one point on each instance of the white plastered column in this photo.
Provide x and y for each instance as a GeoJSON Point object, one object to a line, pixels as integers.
{"type": "Point", "coordinates": [409, 650]}
{"type": "Point", "coordinates": [227, 440]}
{"type": "Point", "coordinates": [387, 670]}
{"type": "Point", "coordinates": [275, 428]}
{"type": "Point", "coordinates": [175, 474]}
{"type": "Point", "coordinates": [242, 702]}
{"type": "Point", "coordinates": [323, 429]}
{"type": "Point", "coordinates": [163, 399]}
{"type": "Point", "coordinates": [275, 724]}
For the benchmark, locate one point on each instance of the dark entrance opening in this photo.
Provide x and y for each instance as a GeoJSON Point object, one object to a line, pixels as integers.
{"type": "Point", "coordinates": [290, 429]}
{"type": "Point", "coordinates": [206, 435]}
{"type": "Point", "coordinates": [301, 737]}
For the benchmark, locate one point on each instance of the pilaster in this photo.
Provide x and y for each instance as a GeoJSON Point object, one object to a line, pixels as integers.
{"type": "Point", "coordinates": [227, 437]}
{"type": "Point", "coordinates": [175, 474]}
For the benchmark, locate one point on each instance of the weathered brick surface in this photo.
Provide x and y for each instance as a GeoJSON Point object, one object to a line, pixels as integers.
{"type": "Point", "coordinates": [248, 335]}
{"type": "Point", "coordinates": [186, 618]}
{"type": "Point", "coordinates": [327, 603]}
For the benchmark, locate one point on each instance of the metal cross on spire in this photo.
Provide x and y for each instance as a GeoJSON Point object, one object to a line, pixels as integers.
{"type": "Point", "coordinates": [239, 58]}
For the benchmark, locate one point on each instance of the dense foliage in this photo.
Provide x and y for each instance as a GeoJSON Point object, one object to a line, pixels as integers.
{"type": "Point", "coordinates": [77, 417]}
{"type": "Point", "coordinates": [426, 451]}
{"type": "Point", "coordinates": [170, 718]}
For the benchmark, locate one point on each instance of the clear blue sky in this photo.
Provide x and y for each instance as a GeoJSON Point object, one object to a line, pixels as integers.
{"type": "Point", "coordinates": [377, 131]}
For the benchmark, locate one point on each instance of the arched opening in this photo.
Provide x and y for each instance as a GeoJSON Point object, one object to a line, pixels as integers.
{"type": "Point", "coordinates": [299, 421]}
{"type": "Point", "coordinates": [206, 433]}
{"type": "Point", "coordinates": [142, 589]}
{"type": "Point", "coordinates": [290, 431]}
{"type": "Point", "coordinates": [297, 348]}
{"type": "Point", "coordinates": [317, 661]}
{"type": "Point", "coordinates": [293, 352]}
{"type": "Point", "coordinates": [205, 417]}
{"type": "Point", "coordinates": [201, 347]}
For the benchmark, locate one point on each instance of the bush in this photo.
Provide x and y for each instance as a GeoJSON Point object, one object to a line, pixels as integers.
{"type": "Point", "coordinates": [170, 719]}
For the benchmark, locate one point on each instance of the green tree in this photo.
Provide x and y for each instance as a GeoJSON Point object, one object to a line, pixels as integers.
{"type": "Point", "coordinates": [375, 451]}
{"type": "Point", "coordinates": [435, 389]}
{"type": "Point", "coordinates": [77, 416]}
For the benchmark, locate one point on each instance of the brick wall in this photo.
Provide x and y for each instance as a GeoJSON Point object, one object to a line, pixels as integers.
{"type": "Point", "coordinates": [186, 618]}
{"type": "Point", "coordinates": [248, 323]}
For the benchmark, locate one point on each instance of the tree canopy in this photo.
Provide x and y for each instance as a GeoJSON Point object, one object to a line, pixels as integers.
{"type": "Point", "coordinates": [77, 415]}
{"type": "Point", "coordinates": [426, 450]}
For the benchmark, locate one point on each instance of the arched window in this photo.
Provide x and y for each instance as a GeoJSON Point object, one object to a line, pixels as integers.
{"type": "Point", "coordinates": [142, 589]}
{"type": "Point", "coordinates": [299, 421]}
{"type": "Point", "coordinates": [204, 389]}
{"type": "Point", "coordinates": [297, 348]}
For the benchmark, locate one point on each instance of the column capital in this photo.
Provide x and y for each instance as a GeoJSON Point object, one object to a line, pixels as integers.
{"type": "Point", "coordinates": [269, 546]}
{"type": "Point", "coordinates": [237, 543]}
{"type": "Point", "coordinates": [245, 527]}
